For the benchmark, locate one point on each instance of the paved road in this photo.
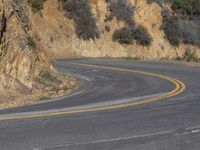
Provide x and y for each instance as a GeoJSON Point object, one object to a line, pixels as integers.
{"type": "Point", "coordinates": [166, 124]}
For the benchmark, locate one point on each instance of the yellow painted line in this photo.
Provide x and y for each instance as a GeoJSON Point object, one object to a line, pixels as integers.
{"type": "Point", "coordinates": [180, 87]}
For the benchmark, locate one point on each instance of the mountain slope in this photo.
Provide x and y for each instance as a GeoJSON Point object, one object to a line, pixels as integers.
{"type": "Point", "coordinates": [25, 69]}
{"type": "Point", "coordinates": [57, 28]}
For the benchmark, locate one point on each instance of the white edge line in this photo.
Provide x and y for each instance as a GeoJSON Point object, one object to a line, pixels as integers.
{"type": "Point", "coordinates": [110, 140]}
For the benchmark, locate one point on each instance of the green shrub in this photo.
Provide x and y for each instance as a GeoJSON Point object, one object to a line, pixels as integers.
{"type": "Point", "coordinates": [190, 56]}
{"type": "Point", "coordinates": [172, 30]}
{"type": "Point", "coordinates": [142, 36]}
{"type": "Point", "coordinates": [122, 10]}
{"type": "Point", "coordinates": [187, 7]}
{"type": "Point", "coordinates": [48, 76]}
{"type": "Point", "coordinates": [85, 23]}
{"type": "Point", "coordinates": [36, 5]}
{"type": "Point", "coordinates": [181, 31]}
{"type": "Point", "coordinates": [129, 35]}
{"type": "Point", "coordinates": [31, 42]}
{"type": "Point", "coordinates": [123, 36]}
{"type": "Point", "coordinates": [191, 32]}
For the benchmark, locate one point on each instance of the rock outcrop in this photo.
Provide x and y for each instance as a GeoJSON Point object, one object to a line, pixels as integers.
{"type": "Point", "coordinates": [20, 62]}
{"type": "Point", "coordinates": [25, 69]}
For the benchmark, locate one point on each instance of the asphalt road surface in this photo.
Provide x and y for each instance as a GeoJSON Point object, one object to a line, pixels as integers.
{"type": "Point", "coordinates": [120, 105]}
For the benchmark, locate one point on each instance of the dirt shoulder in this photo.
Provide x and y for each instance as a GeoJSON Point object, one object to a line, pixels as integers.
{"type": "Point", "coordinates": [47, 86]}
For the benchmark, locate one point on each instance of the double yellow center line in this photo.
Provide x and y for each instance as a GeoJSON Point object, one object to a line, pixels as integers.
{"type": "Point", "coordinates": [179, 88]}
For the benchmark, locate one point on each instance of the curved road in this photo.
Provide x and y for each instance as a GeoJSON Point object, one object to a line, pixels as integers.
{"type": "Point", "coordinates": [159, 114]}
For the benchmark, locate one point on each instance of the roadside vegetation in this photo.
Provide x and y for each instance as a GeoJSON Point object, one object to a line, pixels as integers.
{"type": "Point", "coordinates": [172, 31]}
{"type": "Point", "coordinates": [122, 10]}
{"type": "Point", "coordinates": [36, 5]}
{"type": "Point", "coordinates": [182, 25]}
{"type": "Point", "coordinates": [130, 34]}
{"type": "Point", "coordinates": [48, 76]}
{"type": "Point", "coordinates": [31, 43]}
{"type": "Point", "coordinates": [186, 7]}
{"type": "Point", "coordinates": [85, 22]}
{"type": "Point", "coordinates": [189, 56]}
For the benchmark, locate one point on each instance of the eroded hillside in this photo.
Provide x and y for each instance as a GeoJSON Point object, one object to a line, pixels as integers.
{"type": "Point", "coordinates": [115, 28]}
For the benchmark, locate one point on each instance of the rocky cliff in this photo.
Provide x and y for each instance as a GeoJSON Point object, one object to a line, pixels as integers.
{"type": "Point", "coordinates": [24, 66]}
{"type": "Point", "coordinates": [20, 57]}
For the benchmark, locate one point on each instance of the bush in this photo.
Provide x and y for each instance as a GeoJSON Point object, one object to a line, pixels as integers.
{"type": "Point", "coordinates": [190, 32]}
{"type": "Point", "coordinates": [85, 23]}
{"type": "Point", "coordinates": [36, 5]}
{"type": "Point", "coordinates": [122, 10]}
{"type": "Point", "coordinates": [172, 30]}
{"type": "Point", "coordinates": [191, 38]}
{"type": "Point", "coordinates": [178, 30]}
{"type": "Point", "coordinates": [123, 36]}
{"type": "Point", "coordinates": [129, 35]}
{"type": "Point", "coordinates": [187, 7]}
{"type": "Point", "coordinates": [31, 42]}
{"type": "Point", "coordinates": [183, 26]}
{"type": "Point", "coordinates": [48, 76]}
{"type": "Point", "coordinates": [142, 36]}
{"type": "Point", "coordinates": [190, 56]}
